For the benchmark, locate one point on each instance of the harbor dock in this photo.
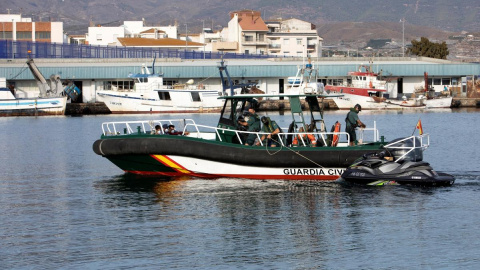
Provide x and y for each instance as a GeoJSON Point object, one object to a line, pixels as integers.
{"type": "Point", "coordinates": [265, 105]}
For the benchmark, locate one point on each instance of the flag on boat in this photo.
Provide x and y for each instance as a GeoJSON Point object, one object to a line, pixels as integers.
{"type": "Point", "coordinates": [419, 126]}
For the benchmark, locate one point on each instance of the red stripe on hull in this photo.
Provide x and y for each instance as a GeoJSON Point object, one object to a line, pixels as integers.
{"type": "Point", "coordinates": [243, 176]}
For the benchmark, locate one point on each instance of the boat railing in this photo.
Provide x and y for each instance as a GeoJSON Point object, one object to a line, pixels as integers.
{"type": "Point", "coordinates": [211, 132]}
{"type": "Point", "coordinates": [139, 127]}
{"type": "Point", "coordinates": [409, 145]}
{"type": "Point", "coordinates": [199, 132]}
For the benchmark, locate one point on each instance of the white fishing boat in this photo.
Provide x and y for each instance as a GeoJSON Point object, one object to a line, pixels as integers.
{"type": "Point", "coordinates": [148, 94]}
{"type": "Point", "coordinates": [52, 99]}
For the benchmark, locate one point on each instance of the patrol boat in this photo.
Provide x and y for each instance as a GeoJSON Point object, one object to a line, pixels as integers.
{"type": "Point", "coordinates": [220, 151]}
{"type": "Point", "coordinates": [400, 164]}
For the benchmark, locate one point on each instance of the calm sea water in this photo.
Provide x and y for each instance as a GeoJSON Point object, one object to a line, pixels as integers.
{"type": "Point", "coordinates": [64, 207]}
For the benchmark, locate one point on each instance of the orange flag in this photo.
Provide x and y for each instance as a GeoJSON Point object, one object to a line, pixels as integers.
{"type": "Point", "coordinates": [419, 127]}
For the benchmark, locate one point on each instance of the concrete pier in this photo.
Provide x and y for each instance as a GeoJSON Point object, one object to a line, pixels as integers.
{"type": "Point", "coordinates": [86, 108]}
{"type": "Point", "coordinates": [264, 105]}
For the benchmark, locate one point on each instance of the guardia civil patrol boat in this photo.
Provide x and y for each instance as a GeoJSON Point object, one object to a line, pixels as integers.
{"type": "Point", "coordinates": [220, 151]}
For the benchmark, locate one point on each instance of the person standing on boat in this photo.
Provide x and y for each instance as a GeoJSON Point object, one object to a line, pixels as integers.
{"type": "Point", "coordinates": [271, 127]}
{"type": "Point", "coordinates": [253, 124]}
{"type": "Point", "coordinates": [353, 122]}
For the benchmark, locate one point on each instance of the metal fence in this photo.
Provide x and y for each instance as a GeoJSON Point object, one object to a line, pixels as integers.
{"type": "Point", "coordinates": [10, 49]}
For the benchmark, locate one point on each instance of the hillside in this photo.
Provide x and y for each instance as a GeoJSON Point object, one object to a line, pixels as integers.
{"type": "Point", "coordinates": [373, 19]}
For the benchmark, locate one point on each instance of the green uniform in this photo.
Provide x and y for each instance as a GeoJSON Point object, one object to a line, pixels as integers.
{"type": "Point", "coordinates": [351, 121]}
{"type": "Point", "coordinates": [253, 126]}
{"type": "Point", "coordinates": [269, 128]}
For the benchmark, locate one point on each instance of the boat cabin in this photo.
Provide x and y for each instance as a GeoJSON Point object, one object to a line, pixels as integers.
{"type": "Point", "coordinates": [234, 110]}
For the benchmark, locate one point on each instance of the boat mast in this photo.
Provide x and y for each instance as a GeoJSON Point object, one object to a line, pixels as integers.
{"type": "Point", "coordinates": [41, 81]}
{"type": "Point", "coordinates": [229, 83]}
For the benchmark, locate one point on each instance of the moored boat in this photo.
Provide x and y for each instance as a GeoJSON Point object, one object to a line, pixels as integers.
{"type": "Point", "coordinates": [52, 98]}
{"type": "Point", "coordinates": [148, 94]}
{"type": "Point", "coordinates": [365, 88]}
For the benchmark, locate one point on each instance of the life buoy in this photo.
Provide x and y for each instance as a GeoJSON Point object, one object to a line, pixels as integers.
{"type": "Point", "coordinates": [336, 138]}
{"type": "Point", "coordinates": [310, 137]}
{"type": "Point", "coordinates": [200, 86]}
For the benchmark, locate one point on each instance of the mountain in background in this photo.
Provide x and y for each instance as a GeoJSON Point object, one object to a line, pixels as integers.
{"type": "Point", "coordinates": [336, 20]}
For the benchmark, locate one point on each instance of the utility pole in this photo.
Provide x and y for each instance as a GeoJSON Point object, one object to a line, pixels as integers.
{"type": "Point", "coordinates": [203, 35]}
{"type": "Point", "coordinates": [403, 37]}
{"type": "Point", "coordinates": [186, 38]}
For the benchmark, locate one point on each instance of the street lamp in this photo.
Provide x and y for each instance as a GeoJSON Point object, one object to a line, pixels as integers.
{"type": "Point", "coordinates": [403, 36]}
{"type": "Point", "coordinates": [186, 37]}
{"type": "Point", "coordinates": [203, 34]}
{"type": "Point", "coordinates": [13, 49]}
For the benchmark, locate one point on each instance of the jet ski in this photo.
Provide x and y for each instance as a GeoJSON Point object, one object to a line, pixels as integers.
{"type": "Point", "coordinates": [401, 163]}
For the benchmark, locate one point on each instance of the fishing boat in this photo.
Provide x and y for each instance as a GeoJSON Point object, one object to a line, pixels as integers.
{"type": "Point", "coordinates": [52, 99]}
{"type": "Point", "coordinates": [219, 151]}
{"type": "Point", "coordinates": [365, 88]}
{"type": "Point", "coordinates": [401, 163]}
{"type": "Point", "coordinates": [148, 94]}
{"type": "Point", "coordinates": [306, 80]}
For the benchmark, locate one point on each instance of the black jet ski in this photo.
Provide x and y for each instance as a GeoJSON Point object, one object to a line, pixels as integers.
{"type": "Point", "coordinates": [401, 163]}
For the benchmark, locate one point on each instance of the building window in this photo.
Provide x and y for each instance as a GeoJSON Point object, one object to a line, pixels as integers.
{"type": "Point", "coordinates": [446, 81]}
{"type": "Point", "coordinates": [248, 38]}
{"type": "Point", "coordinates": [6, 35]}
{"type": "Point", "coordinates": [42, 35]}
{"type": "Point", "coordinates": [169, 82]}
{"type": "Point", "coordinates": [24, 35]}
{"type": "Point", "coordinates": [299, 54]}
{"type": "Point", "coordinates": [299, 41]}
{"type": "Point", "coordinates": [285, 41]}
{"type": "Point", "coordinates": [118, 85]}
{"type": "Point", "coordinates": [437, 81]}
{"type": "Point", "coordinates": [261, 37]}
{"type": "Point", "coordinates": [247, 52]}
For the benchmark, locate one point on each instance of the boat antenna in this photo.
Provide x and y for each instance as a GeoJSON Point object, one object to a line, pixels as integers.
{"type": "Point", "coordinates": [415, 127]}
{"type": "Point", "coordinates": [153, 64]}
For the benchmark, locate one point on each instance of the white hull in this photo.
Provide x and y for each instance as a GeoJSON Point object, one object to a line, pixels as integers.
{"type": "Point", "coordinates": [443, 102]}
{"type": "Point", "coordinates": [33, 106]}
{"type": "Point", "coordinates": [349, 101]}
{"type": "Point", "coordinates": [144, 102]}
{"type": "Point", "coordinates": [206, 168]}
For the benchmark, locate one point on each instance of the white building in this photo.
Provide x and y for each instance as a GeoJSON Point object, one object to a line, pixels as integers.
{"type": "Point", "coordinates": [99, 35]}
{"type": "Point", "coordinates": [248, 33]}
{"type": "Point", "coordinates": [293, 37]}
{"type": "Point", "coordinates": [14, 27]}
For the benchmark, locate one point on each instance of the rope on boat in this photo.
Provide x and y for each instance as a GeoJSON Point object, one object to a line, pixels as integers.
{"type": "Point", "coordinates": [296, 152]}
{"type": "Point", "coordinates": [23, 68]}
{"type": "Point", "coordinates": [215, 73]}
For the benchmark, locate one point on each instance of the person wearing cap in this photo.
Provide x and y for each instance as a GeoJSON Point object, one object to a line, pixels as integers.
{"type": "Point", "coordinates": [172, 131]}
{"type": "Point", "coordinates": [271, 127]}
{"type": "Point", "coordinates": [353, 121]}
{"type": "Point", "coordinates": [253, 124]}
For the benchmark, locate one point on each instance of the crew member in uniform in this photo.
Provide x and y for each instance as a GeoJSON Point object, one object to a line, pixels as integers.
{"type": "Point", "coordinates": [253, 124]}
{"type": "Point", "coordinates": [353, 122]}
{"type": "Point", "coordinates": [271, 127]}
